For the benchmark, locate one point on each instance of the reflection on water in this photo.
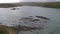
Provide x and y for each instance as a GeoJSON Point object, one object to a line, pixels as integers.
{"type": "Point", "coordinates": [9, 17]}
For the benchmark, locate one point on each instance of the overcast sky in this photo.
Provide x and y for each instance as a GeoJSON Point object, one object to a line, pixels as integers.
{"type": "Point", "coordinates": [10, 1]}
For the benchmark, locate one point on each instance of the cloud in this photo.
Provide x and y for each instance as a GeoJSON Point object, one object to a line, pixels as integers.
{"type": "Point", "coordinates": [30, 0]}
{"type": "Point", "coordinates": [12, 1]}
{"type": "Point", "coordinates": [8, 1]}
{"type": "Point", "coordinates": [35, 0]}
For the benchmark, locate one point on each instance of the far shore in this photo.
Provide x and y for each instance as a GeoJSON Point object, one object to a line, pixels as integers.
{"type": "Point", "coordinates": [40, 4]}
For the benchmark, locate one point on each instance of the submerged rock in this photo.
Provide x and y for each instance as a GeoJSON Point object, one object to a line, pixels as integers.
{"type": "Point", "coordinates": [0, 23]}
{"type": "Point", "coordinates": [29, 23]}
{"type": "Point", "coordinates": [28, 18]}
{"type": "Point", "coordinates": [26, 28]}
{"type": "Point", "coordinates": [31, 16]}
{"type": "Point", "coordinates": [36, 20]}
{"type": "Point", "coordinates": [43, 17]}
{"type": "Point", "coordinates": [15, 9]}
{"type": "Point", "coordinates": [50, 33]}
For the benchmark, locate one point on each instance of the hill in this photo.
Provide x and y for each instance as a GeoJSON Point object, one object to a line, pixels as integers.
{"type": "Point", "coordinates": [42, 4]}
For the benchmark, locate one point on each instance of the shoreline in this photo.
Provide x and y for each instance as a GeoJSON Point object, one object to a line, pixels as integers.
{"type": "Point", "coordinates": [7, 30]}
{"type": "Point", "coordinates": [42, 4]}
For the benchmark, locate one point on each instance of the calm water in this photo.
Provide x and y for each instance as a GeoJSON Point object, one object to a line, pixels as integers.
{"type": "Point", "coordinates": [10, 17]}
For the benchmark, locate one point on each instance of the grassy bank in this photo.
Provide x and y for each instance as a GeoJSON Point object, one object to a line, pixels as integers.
{"type": "Point", "coordinates": [49, 4]}
{"type": "Point", "coordinates": [7, 30]}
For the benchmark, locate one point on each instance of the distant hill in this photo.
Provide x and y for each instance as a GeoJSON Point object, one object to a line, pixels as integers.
{"type": "Point", "coordinates": [43, 4]}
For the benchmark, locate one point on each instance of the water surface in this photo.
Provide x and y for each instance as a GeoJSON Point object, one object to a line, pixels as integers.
{"type": "Point", "coordinates": [10, 17]}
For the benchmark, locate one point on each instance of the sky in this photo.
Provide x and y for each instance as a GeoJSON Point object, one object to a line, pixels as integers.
{"type": "Point", "coordinates": [12, 1]}
{"type": "Point", "coordinates": [9, 1]}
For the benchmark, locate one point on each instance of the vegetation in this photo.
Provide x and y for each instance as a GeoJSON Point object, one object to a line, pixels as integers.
{"type": "Point", "coordinates": [49, 4]}
{"type": "Point", "coordinates": [43, 4]}
{"type": "Point", "coordinates": [7, 5]}
{"type": "Point", "coordinates": [7, 30]}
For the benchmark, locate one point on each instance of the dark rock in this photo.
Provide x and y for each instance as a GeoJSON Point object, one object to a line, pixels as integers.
{"type": "Point", "coordinates": [25, 22]}
{"type": "Point", "coordinates": [25, 28]}
{"type": "Point", "coordinates": [50, 32]}
{"type": "Point", "coordinates": [0, 23]}
{"type": "Point", "coordinates": [43, 17]}
{"type": "Point", "coordinates": [36, 20]}
{"type": "Point", "coordinates": [31, 31]}
{"type": "Point", "coordinates": [13, 8]}
{"type": "Point", "coordinates": [27, 18]}
{"type": "Point", "coordinates": [31, 16]}
{"type": "Point", "coordinates": [33, 22]}
{"type": "Point", "coordinates": [45, 21]}
{"type": "Point", "coordinates": [37, 32]}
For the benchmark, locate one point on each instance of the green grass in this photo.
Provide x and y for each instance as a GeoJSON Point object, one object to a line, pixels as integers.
{"type": "Point", "coordinates": [7, 30]}
{"type": "Point", "coordinates": [4, 31]}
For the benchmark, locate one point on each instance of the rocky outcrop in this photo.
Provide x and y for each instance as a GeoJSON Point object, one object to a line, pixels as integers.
{"type": "Point", "coordinates": [29, 23]}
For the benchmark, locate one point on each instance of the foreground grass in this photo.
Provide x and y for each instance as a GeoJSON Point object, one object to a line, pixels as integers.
{"type": "Point", "coordinates": [7, 30]}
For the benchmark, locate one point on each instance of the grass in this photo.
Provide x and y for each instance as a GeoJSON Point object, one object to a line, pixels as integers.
{"type": "Point", "coordinates": [7, 5]}
{"type": "Point", "coordinates": [50, 4]}
{"type": "Point", "coordinates": [4, 31]}
{"type": "Point", "coordinates": [7, 30]}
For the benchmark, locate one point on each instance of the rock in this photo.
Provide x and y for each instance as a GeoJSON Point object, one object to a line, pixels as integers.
{"type": "Point", "coordinates": [0, 23]}
{"type": "Point", "coordinates": [13, 8]}
{"type": "Point", "coordinates": [36, 20]}
{"type": "Point", "coordinates": [50, 33]}
{"type": "Point", "coordinates": [31, 16]}
{"type": "Point", "coordinates": [29, 23]}
{"type": "Point", "coordinates": [43, 17]}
